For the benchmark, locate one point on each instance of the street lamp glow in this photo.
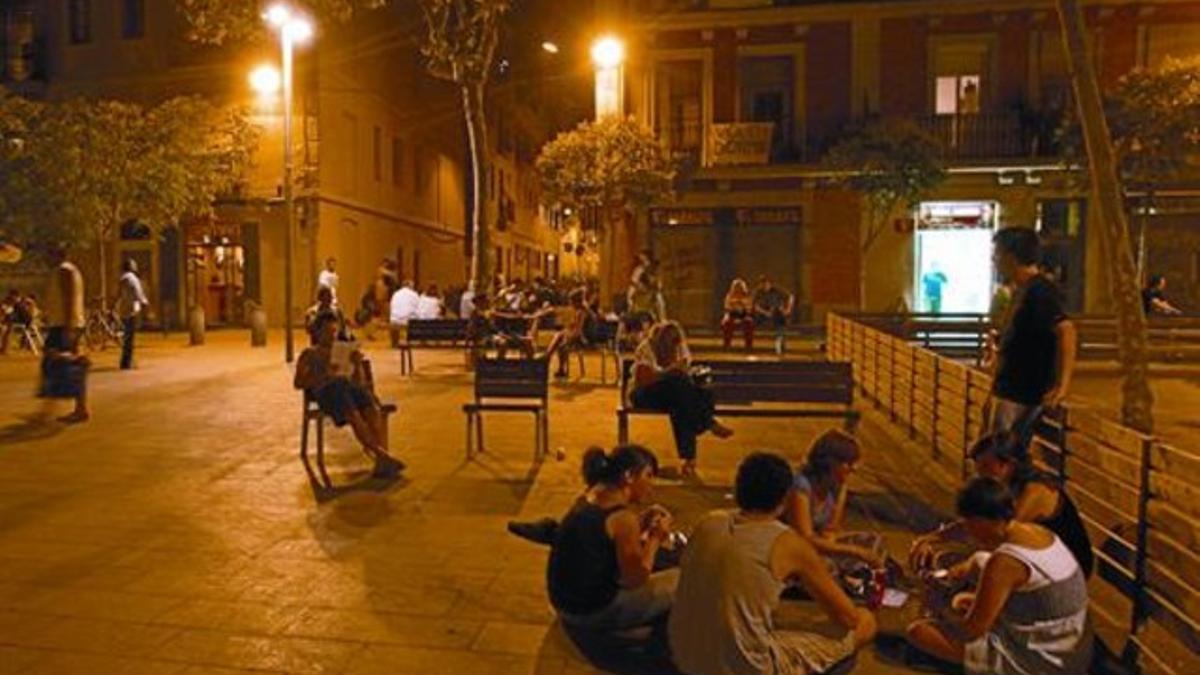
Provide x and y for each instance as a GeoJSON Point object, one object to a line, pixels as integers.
{"type": "Point", "coordinates": [277, 15]}
{"type": "Point", "coordinates": [298, 30]}
{"type": "Point", "coordinates": [608, 52]}
{"type": "Point", "coordinates": [549, 47]}
{"type": "Point", "coordinates": [265, 79]}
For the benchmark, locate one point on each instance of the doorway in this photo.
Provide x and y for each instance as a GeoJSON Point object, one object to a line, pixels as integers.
{"type": "Point", "coordinates": [953, 250]}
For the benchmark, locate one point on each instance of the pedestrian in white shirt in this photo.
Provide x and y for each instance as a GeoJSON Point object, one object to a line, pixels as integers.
{"type": "Point", "coordinates": [404, 308]}
{"type": "Point", "coordinates": [329, 277]}
{"type": "Point", "coordinates": [130, 302]}
{"type": "Point", "coordinates": [429, 305]}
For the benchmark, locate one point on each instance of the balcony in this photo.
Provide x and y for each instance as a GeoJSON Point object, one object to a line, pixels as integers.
{"type": "Point", "coordinates": [985, 136]}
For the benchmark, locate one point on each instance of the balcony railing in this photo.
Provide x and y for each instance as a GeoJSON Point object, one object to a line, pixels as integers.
{"type": "Point", "coordinates": [989, 135]}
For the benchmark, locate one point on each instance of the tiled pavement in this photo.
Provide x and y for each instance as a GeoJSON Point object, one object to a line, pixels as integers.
{"type": "Point", "coordinates": [178, 533]}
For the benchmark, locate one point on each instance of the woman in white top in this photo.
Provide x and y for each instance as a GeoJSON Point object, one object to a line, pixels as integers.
{"type": "Point", "coordinates": [429, 305]}
{"type": "Point", "coordinates": [1028, 613]}
{"type": "Point", "coordinates": [662, 381]}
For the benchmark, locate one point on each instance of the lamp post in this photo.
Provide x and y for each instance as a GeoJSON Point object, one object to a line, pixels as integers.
{"type": "Point", "coordinates": [608, 55]}
{"type": "Point", "coordinates": [292, 30]}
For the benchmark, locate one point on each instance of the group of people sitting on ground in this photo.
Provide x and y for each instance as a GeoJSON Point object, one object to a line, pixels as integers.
{"type": "Point", "coordinates": [769, 305]}
{"type": "Point", "coordinates": [1017, 605]}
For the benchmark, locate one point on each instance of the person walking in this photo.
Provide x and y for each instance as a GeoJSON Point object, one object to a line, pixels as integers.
{"type": "Point", "coordinates": [933, 282]}
{"type": "Point", "coordinates": [1036, 351]}
{"type": "Point", "coordinates": [64, 369]}
{"type": "Point", "coordinates": [329, 277]}
{"type": "Point", "coordinates": [131, 300]}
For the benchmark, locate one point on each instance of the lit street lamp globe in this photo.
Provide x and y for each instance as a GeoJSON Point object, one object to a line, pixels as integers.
{"type": "Point", "coordinates": [265, 79]}
{"type": "Point", "coordinates": [608, 52]}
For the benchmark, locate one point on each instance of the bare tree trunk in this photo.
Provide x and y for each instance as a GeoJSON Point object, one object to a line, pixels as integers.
{"type": "Point", "coordinates": [1137, 400]}
{"type": "Point", "coordinates": [481, 268]}
{"type": "Point", "coordinates": [103, 260]}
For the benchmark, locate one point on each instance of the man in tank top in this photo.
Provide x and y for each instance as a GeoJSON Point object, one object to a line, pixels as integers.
{"type": "Point", "coordinates": [64, 370]}
{"type": "Point", "coordinates": [735, 567]}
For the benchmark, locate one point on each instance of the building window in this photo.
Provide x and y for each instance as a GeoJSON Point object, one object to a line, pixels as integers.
{"type": "Point", "coordinates": [767, 91]}
{"type": "Point", "coordinates": [377, 154]}
{"type": "Point", "coordinates": [957, 95]}
{"type": "Point", "coordinates": [18, 45]}
{"type": "Point", "coordinates": [418, 170]}
{"type": "Point", "coordinates": [397, 162]}
{"type": "Point", "coordinates": [79, 14]}
{"type": "Point", "coordinates": [133, 19]}
{"type": "Point", "coordinates": [679, 106]}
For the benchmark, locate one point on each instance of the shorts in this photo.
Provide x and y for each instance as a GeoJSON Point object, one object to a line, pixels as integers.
{"type": "Point", "coordinates": [340, 397]}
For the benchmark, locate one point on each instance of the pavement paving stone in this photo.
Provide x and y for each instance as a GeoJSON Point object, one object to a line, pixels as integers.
{"type": "Point", "coordinates": [180, 518]}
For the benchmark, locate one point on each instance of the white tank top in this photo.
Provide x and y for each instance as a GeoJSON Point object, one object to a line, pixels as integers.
{"type": "Point", "coordinates": [65, 312]}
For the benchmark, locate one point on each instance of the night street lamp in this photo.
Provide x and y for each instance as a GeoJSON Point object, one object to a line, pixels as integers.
{"type": "Point", "coordinates": [266, 80]}
{"type": "Point", "coordinates": [608, 55]}
{"type": "Point", "coordinates": [293, 29]}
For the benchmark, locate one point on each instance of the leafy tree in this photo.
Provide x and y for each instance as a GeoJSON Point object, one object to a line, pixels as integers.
{"type": "Point", "coordinates": [460, 47]}
{"type": "Point", "coordinates": [1137, 400]}
{"type": "Point", "coordinates": [892, 164]}
{"type": "Point", "coordinates": [1154, 119]}
{"type": "Point", "coordinates": [613, 166]}
{"type": "Point", "coordinates": [92, 166]}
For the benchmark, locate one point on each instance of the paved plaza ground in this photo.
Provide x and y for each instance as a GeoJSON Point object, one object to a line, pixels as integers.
{"type": "Point", "coordinates": [178, 533]}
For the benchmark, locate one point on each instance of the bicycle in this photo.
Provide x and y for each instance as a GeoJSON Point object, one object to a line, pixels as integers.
{"type": "Point", "coordinates": [102, 326]}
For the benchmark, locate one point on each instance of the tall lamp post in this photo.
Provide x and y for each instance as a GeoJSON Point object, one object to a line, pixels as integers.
{"type": "Point", "coordinates": [293, 29]}
{"type": "Point", "coordinates": [608, 55]}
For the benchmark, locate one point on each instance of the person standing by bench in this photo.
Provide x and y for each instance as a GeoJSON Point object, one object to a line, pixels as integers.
{"type": "Point", "coordinates": [663, 382]}
{"type": "Point", "coordinates": [1036, 358]}
{"type": "Point", "coordinates": [343, 393]}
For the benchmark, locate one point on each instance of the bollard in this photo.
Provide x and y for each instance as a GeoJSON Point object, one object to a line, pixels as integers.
{"type": "Point", "coordinates": [196, 325]}
{"type": "Point", "coordinates": [258, 325]}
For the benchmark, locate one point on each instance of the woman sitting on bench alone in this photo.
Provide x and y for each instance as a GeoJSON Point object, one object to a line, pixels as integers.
{"type": "Point", "coordinates": [343, 392]}
{"type": "Point", "coordinates": [663, 381]}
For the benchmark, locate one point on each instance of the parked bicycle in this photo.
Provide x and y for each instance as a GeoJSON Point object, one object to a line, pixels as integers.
{"type": "Point", "coordinates": [102, 326]}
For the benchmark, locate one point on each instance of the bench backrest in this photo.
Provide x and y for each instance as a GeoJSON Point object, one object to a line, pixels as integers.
{"type": "Point", "coordinates": [512, 325]}
{"type": "Point", "coordinates": [432, 330]}
{"type": "Point", "coordinates": [512, 378]}
{"type": "Point", "coordinates": [745, 382]}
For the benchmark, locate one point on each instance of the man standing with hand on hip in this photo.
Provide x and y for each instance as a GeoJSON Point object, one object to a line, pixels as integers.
{"type": "Point", "coordinates": [1037, 348]}
{"type": "Point", "coordinates": [130, 302]}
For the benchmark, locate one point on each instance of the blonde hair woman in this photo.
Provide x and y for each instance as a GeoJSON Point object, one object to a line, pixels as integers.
{"type": "Point", "coordinates": [739, 311]}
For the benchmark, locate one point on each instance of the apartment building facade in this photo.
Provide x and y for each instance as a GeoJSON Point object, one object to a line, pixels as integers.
{"type": "Point", "coordinates": [749, 94]}
{"type": "Point", "coordinates": [379, 147]}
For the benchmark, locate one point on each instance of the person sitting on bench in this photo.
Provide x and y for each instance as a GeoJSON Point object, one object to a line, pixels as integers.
{"type": "Point", "coordinates": [600, 573]}
{"type": "Point", "coordinates": [739, 312]}
{"type": "Point", "coordinates": [817, 504]}
{"type": "Point", "coordinates": [339, 386]}
{"type": "Point", "coordinates": [1004, 456]}
{"type": "Point", "coordinates": [1029, 611]}
{"type": "Point", "coordinates": [572, 337]}
{"type": "Point", "coordinates": [736, 566]}
{"type": "Point", "coordinates": [663, 382]}
{"type": "Point", "coordinates": [485, 330]}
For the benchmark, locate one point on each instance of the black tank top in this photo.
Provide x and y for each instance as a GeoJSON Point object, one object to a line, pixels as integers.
{"type": "Point", "coordinates": [582, 576]}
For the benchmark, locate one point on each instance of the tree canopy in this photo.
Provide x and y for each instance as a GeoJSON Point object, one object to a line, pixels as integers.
{"type": "Point", "coordinates": [891, 163]}
{"type": "Point", "coordinates": [87, 167]}
{"type": "Point", "coordinates": [224, 21]}
{"type": "Point", "coordinates": [1154, 120]}
{"type": "Point", "coordinates": [611, 163]}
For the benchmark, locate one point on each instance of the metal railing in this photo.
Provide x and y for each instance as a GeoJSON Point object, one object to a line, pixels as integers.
{"type": "Point", "coordinates": [1138, 496]}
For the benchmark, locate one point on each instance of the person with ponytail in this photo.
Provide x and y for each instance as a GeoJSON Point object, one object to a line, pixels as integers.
{"type": "Point", "coordinates": [1040, 499]}
{"type": "Point", "coordinates": [817, 504]}
{"type": "Point", "coordinates": [600, 574]}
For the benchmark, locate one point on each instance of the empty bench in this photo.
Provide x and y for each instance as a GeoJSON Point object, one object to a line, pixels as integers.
{"type": "Point", "coordinates": [430, 333]}
{"type": "Point", "coordinates": [507, 386]}
{"type": "Point", "coordinates": [765, 389]}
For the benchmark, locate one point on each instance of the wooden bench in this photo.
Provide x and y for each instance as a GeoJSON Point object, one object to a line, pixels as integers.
{"type": "Point", "coordinates": [604, 342]}
{"type": "Point", "coordinates": [312, 414]}
{"type": "Point", "coordinates": [765, 389]}
{"type": "Point", "coordinates": [430, 333]}
{"type": "Point", "coordinates": [510, 385]}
